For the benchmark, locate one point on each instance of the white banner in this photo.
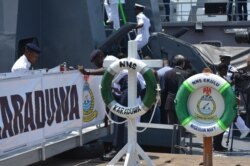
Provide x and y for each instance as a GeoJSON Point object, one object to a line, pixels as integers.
{"type": "Point", "coordinates": [20, 123]}
{"type": "Point", "coordinates": [34, 107]}
{"type": "Point", "coordinates": [63, 94]}
{"type": "Point", "coordinates": [93, 105]}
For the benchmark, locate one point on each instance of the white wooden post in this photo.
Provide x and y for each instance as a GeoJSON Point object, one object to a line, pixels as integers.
{"type": "Point", "coordinates": [132, 149]}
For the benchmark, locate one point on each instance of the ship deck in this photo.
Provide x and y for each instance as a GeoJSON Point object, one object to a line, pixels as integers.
{"type": "Point", "coordinates": [239, 155]}
{"type": "Point", "coordinates": [159, 159]}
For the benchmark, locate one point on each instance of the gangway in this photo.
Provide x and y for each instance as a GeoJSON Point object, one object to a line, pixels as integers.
{"type": "Point", "coordinates": [54, 146]}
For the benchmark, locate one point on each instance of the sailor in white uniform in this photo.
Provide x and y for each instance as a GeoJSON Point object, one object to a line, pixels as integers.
{"type": "Point", "coordinates": [29, 58]}
{"type": "Point", "coordinates": [143, 25]}
{"type": "Point", "coordinates": [111, 7]}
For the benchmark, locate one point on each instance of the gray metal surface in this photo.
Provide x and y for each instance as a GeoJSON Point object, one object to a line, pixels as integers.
{"type": "Point", "coordinates": [8, 18]}
{"type": "Point", "coordinates": [211, 54]}
{"type": "Point", "coordinates": [212, 31]}
{"type": "Point", "coordinates": [67, 31]}
{"type": "Point", "coordinates": [160, 42]}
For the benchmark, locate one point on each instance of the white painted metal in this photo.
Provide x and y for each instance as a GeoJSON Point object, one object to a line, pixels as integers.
{"type": "Point", "coordinates": [132, 149]}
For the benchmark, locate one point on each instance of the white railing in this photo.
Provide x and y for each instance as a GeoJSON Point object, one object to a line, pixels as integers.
{"type": "Point", "coordinates": [194, 10]}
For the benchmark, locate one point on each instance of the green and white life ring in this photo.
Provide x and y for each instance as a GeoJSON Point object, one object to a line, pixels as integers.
{"type": "Point", "coordinates": [205, 104]}
{"type": "Point", "coordinates": [106, 90]}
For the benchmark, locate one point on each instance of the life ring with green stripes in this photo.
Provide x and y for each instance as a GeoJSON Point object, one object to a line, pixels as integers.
{"type": "Point", "coordinates": [106, 90]}
{"type": "Point", "coordinates": [205, 104]}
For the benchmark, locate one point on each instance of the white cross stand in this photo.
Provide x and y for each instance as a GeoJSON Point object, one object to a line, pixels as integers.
{"type": "Point", "coordinates": [132, 149]}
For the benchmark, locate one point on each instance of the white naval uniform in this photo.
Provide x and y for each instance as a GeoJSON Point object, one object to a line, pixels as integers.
{"type": "Point", "coordinates": [21, 65]}
{"type": "Point", "coordinates": [113, 12]}
{"type": "Point", "coordinates": [143, 32]}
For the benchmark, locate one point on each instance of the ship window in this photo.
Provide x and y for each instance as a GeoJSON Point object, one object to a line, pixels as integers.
{"type": "Point", "coordinates": [215, 8]}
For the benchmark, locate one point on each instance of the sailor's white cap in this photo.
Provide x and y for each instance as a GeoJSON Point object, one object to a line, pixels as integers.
{"type": "Point", "coordinates": [139, 6]}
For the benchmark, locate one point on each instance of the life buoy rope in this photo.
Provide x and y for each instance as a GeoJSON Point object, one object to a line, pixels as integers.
{"type": "Point", "coordinates": [106, 89]}
{"type": "Point", "coordinates": [205, 104]}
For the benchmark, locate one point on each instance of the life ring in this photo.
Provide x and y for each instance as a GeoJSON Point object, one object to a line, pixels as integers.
{"type": "Point", "coordinates": [205, 104]}
{"type": "Point", "coordinates": [106, 90]}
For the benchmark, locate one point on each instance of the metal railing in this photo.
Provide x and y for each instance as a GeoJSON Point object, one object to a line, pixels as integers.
{"type": "Point", "coordinates": [195, 10]}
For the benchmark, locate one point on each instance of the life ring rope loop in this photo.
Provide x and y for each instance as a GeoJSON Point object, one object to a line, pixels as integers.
{"type": "Point", "coordinates": [205, 89]}
{"type": "Point", "coordinates": [106, 90]}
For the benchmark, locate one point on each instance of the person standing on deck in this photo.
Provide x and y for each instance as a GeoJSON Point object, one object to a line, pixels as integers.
{"type": "Point", "coordinates": [120, 92]}
{"type": "Point", "coordinates": [217, 140]}
{"type": "Point", "coordinates": [167, 9]}
{"type": "Point", "coordinates": [97, 57]}
{"type": "Point", "coordinates": [244, 81]}
{"type": "Point", "coordinates": [172, 81]}
{"type": "Point", "coordinates": [242, 9]}
{"type": "Point", "coordinates": [161, 72]}
{"type": "Point", "coordinates": [29, 58]}
{"type": "Point", "coordinates": [230, 10]}
{"type": "Point", "coordinates": [112, 10]}
{"type": "Point", "coordinates": [142, 27]}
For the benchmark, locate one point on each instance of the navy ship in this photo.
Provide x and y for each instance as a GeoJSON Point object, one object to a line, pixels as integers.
{"type": "Point", "coordinates": [68, 31]}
